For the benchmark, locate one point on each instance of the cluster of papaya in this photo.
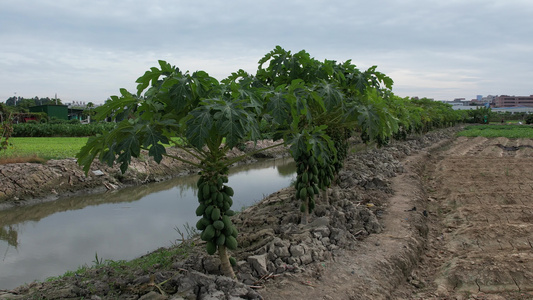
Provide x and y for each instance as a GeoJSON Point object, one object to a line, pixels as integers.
{"type": "Point", "coordinates": [340, 138]}
{"type": "Point", "coordinates": [307, 181]}
{"type": "Point", "coordinates": [215, 209]}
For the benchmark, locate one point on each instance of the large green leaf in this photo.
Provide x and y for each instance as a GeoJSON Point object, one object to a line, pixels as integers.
{"type": "Point", "coordinates": [199, 126]}
{"type": "Point", "coordinates": [153, 139]}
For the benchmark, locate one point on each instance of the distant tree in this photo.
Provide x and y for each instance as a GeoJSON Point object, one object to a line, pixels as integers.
{"type": "Point", "coordinates": [26, 103]}
{"type": "Point", "coordinates": [11, 101]}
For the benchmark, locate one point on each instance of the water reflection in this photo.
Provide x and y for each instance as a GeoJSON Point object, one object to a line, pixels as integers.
{"type": "Point", "coordinates": [47, 239]}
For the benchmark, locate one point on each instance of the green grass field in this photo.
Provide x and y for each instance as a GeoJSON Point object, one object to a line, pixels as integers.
{"type": "Point", "coordinates": [492, 131]}
{"type": "Point", "coordinates": [44, 147]}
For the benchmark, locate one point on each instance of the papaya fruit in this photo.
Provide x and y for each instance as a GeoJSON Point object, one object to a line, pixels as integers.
{"type": "Point", "coordinates": [303, 193]}
{"type": "Point", "coordinates": [233, 261]}
{"type": "Point", "coordinates": [206, 191]}
{"type": "Point", "coordinates": [208, 233]}
{"type": "Point", "coordinates": [215, 214]}
{"type": "Point", "coordinates": [305, 177]}
{"type": "Point", "coordinates": [229, 191]}
{"type": "Point", "coordinates": [200, 210]}
{"type": "Point", "coordinates": [219, 225]}
{"type": "Point", "coordinates": [231, 242]}
{"type": "Point", "coordinates": [221, 240]}
{"type": "Point", "coordinates": [211, 248]}
{"type": "Point", "coordinates": [227, 222]}
{"type": "Point", "coordinates": [208, 210]}
{"type": "Point", "coordinates": [200, 225]}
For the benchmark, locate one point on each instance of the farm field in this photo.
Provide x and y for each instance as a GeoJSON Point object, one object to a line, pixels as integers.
{"type": "Point", "coordinates": [481, 236]}
{"type": "Point", "coordinates": [44, 147]}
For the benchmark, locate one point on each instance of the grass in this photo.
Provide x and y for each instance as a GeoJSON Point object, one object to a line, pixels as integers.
{"type": "Point", "coordinates": [43, 147]}
{"type": "Point", "coordinates": [493, 131]}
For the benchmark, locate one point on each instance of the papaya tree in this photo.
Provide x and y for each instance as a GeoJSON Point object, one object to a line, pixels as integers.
{"type": "Point", "coordinates": [298, 87]}
{"type": "Point", "coordinates": [196, 113]}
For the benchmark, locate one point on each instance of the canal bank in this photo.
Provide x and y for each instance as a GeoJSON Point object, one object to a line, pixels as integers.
{"type": "Point", "coordinates": [31, 183]}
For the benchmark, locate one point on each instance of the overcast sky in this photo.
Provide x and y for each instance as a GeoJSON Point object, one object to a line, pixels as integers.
{"type": "Point", "coordinates": [88, 50]}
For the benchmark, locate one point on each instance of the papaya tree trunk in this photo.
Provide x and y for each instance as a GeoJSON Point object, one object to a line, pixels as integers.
{"type": "Point", "coordinates": [305, 213]}
{"type": "Point", "coordinates": [324, 196]}
{"type": "Point", "coordinates": [227, 270]}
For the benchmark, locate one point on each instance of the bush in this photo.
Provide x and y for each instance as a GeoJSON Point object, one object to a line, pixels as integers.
{"type": "Point", "coordinates": [60, 129]}
{"type": "Point", "coordinates": [529, 119]}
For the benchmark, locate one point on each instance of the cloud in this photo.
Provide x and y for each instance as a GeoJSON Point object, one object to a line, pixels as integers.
{"type": "Point", "coordinates": [87, 50]}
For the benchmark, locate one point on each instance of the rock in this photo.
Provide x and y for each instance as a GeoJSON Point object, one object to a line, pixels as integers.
{"type": "Point", "coordinates": [296, 250]}
{"type": "Point", "coordinates": [98, 173]}
{"type": "Point", "coordinates": [9, 296]}
{"type": "Point", "coordinates": [322, 232]}
{"type": "Point", "coordinates": [259, 264]}
{"type": "Point", "coordinates": [153, 296]}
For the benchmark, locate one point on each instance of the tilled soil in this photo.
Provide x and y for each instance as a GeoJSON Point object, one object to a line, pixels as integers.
{"type": "Point", "coordinates": [481, 212]}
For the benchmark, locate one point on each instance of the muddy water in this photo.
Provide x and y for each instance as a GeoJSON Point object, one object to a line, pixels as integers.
{"type": "Point", "coordinates": [48, 239]}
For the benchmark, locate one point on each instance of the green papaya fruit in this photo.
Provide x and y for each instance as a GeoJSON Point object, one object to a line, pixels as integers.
{"type": "Point", "coordinates": [200, 210]}
{"type": "Point", "coordinates": [316, 190]}
{"type": "Point", "coordinates": [215, 214]}
{"type": "Point", "coordinates": [227, 222]}
{"type": "Point", "coordinates": [219, 225]}
{"type": "Point", "coordinates": [200, 225]}
{"type": "Point", "coordinates": [305, 177]}
{"type": "Point", "coordinates": [303, 193]}
{"type": "Point", "coordinates": [214, 197]}
{"type": "Point", "coordinates": [206, 191]}
{"type": "Point", "coordinates": [234, 232]}
{"type": "Point", "coordinates": [213, 188]}
{"type": "Point", "coordinates": [310, 191]}
{"type": "Point", "coordinates": [226, 206]}
{"type": "Point", "coordinates": [211, 248]}
{"type": "Point", "coordinates": [228, 190]}
{"type": "Point", "coordinates": [200, 181]}
{"type": "Point", "coordinates": [314, 169]}
{"type": "Point", "coordinates": [233, 261]}
{"type": "Point", "coordinates": [221, 240]}
{"type": "Point", "coordinates": [231, 242]}
{"type": "Point", "coordinates": [209, 210]}
{"type": "Point", "coordinates": [209, 233]}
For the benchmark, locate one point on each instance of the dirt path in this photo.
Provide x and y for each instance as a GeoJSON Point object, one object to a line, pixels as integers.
{"type": "Point", "coordinates": [480, 208]}
{"type": "Point", "coordinates": [376, 266]}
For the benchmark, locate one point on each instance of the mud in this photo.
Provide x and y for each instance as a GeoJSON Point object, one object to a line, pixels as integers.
{"type": "Point", "coordinates": [364, 240]}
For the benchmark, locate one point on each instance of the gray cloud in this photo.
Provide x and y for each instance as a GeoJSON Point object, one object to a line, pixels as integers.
{"type": "Point", "coordinates": [87, 50]}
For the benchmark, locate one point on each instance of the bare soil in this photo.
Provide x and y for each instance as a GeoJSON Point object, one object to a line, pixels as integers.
{"type": "Point", "coordinates": [436, 217]}
{"type": "Point", "coordinates": [480, 204]}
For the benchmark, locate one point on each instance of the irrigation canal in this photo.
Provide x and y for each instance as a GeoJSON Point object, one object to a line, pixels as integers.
{"type": "Point", "coordinates": [48, 239]}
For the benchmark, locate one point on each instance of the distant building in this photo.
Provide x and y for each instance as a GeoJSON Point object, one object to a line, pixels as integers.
{"type": "Point", "coordinates": [57, 111]}
{"type": "Point", "coordinates": [513, 101]}
{"type": "Point", "coordinates": [62, 112]}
